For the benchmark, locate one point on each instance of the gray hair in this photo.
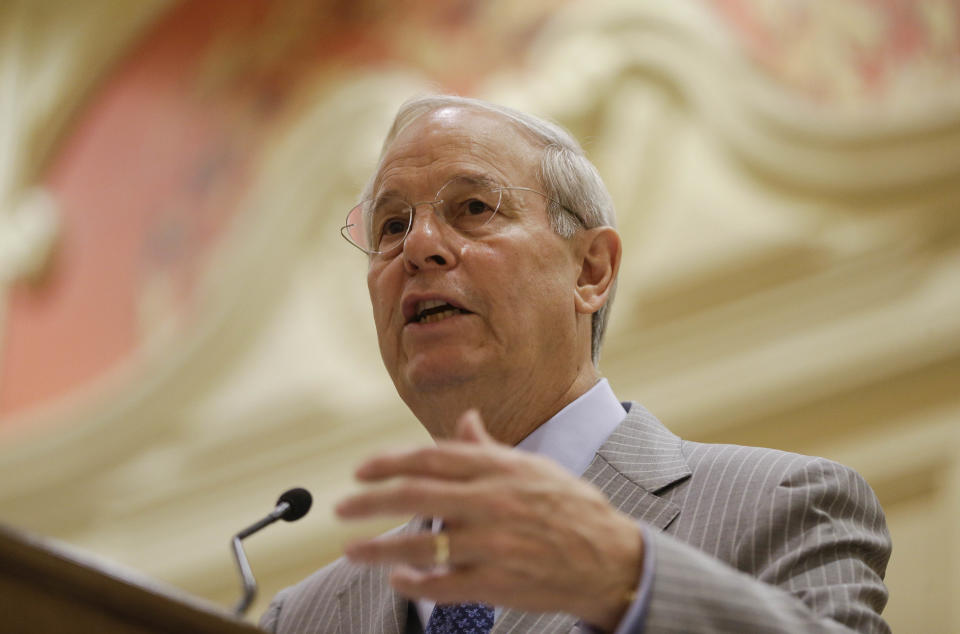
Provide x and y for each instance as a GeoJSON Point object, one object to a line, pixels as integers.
{"type": "Point", "coordinates": [578, 196]}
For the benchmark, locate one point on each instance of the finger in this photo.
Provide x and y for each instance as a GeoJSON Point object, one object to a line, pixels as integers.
{"type": "Point", "coordinates": [470, 428]}
{"type": "Point", "coordinates": [486, 584]}
{"type": "Point", "coordinates": [450, 585]}
{"type": "Point", "coordinates": [443, 585]}
{"type": "Point", "coordinates": [422, 550]}
{"type": "Point", "coordinates": [418, 549]}
{"type": "Point", "coordinates": [449, 460]}
{"type": "Point", "coordinates": [417, 496]}
{"type": "Point", "coordinates": [467, 546]}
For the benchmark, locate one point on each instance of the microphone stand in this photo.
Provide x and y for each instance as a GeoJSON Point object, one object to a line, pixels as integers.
{"type": "Point", "coordinates": [249, 583]}
{"type": "Point", "coordinates": [291, 506]}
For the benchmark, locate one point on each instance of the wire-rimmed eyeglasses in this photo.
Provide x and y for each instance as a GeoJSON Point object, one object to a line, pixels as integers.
{"type": "Point", "coordinates": [465, 203]}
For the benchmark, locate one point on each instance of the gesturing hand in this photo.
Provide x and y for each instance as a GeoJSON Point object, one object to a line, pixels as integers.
{"type": "Point", "coordinates": [523, 532]}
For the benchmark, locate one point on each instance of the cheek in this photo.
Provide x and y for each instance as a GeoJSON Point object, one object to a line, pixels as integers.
{"type": "Point", "coordinates": [536, 292]}
{"type": "Point", "coordinates": [382, 297]}
{"type": "Point", "coordinates": [554, 286]}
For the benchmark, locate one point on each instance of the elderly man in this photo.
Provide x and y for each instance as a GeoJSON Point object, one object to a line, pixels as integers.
{"type": "Point", "coordinates": [492, 264]}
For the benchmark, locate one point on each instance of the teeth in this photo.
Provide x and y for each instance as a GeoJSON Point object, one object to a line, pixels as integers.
{"type": "Point", "coordinates": [429, 319]}
{"type": "Point", "coordinates": [431, 310]}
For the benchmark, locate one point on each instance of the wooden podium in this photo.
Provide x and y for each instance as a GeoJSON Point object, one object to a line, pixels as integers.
{"type": "Point", "coordinates": [48, 587]}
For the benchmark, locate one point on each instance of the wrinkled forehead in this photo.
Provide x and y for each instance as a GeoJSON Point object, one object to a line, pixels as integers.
{"type": "Point", "coordinates": [450, 141]}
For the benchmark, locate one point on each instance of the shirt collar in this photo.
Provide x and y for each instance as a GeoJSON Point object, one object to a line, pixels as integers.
{"type": "Point", "coordinates": [576, 432]}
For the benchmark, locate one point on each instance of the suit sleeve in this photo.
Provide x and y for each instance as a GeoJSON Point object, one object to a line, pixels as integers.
{"type": "Point", "coordinates": [811, 559]}
{"type": "Point", "coordinates": [271, 617]}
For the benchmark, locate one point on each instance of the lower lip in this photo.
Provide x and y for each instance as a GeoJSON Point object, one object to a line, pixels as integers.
{"type": "Point", "coordinates": [419, 325]}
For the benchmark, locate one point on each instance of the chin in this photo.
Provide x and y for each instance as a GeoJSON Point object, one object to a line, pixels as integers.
{"type": "Point", "coordinates": [438, 374]}
{"type": "Point", "coordinates": [435, 380]}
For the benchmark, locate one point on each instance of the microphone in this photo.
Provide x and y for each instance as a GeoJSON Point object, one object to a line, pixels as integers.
{"type": "Point", "coordinates": [291, 506]}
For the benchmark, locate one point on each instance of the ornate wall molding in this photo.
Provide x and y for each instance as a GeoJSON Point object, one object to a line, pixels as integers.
{"type": "Point", "coordinates": [789, 280]}
{"type": "Point", "coordinates": [46, 69]}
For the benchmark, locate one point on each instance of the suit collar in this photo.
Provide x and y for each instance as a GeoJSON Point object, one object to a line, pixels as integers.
{"type": "Point", "coordinates": [644, 451]}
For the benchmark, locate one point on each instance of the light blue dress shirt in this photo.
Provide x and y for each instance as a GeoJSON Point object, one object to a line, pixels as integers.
{"type": "Point", "coordinates": [572, 438]}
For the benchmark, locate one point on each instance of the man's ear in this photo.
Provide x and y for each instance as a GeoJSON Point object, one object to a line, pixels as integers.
{"type": "Point", "coordinates": [599, 263]}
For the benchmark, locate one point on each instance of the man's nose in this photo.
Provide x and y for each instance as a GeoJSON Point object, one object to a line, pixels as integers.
{"type": "Point", "coordinates": [426, 245]}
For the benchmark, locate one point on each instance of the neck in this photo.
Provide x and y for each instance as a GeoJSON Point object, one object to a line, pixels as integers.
{"type": "Point", "coordinates": [510, 412]}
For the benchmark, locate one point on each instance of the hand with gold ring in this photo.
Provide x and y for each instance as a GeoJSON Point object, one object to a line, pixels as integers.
{"type": "Point", "coordinates": [441, 549]}
{"type": "Point", "coordinates": [529, 535]}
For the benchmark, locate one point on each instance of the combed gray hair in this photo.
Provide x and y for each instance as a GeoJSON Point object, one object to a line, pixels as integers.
{"type": "Point", "coordinates": [579, 199]}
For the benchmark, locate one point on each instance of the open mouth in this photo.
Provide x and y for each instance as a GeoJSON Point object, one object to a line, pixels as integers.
{"type": "Point", "coordinates": [433, 310]}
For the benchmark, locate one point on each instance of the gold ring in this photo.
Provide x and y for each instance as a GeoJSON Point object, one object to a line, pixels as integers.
{"type": "Point", "coordinates": [441, 549]}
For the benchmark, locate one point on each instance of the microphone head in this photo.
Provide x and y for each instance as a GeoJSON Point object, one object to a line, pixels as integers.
{"type": "Point", "coordinates": [299, 500]}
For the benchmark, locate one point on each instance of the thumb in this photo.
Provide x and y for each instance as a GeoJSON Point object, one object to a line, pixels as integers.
{"type": "Point", "coordinates": [470, 428]}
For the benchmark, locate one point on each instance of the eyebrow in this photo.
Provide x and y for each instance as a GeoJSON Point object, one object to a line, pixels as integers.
{"type": "Point", "coordinates": [479, 179]}
{"type": "Point", "coordinates": [476, 178]}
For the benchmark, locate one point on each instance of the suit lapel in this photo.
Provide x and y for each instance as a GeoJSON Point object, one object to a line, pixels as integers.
{"type": "Point", "coordinates": [640, 458]}
{"type": "Point", "coordinates": [369, 604]}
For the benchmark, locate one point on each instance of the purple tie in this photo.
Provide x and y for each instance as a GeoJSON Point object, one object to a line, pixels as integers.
{"type": "Point", "coordinates": [460, 618]}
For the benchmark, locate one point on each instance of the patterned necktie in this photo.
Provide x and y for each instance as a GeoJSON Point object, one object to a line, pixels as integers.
{"type": "Point", "coordinates": [460, 618]}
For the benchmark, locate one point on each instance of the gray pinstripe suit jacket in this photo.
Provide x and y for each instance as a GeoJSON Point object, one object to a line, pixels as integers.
{"type": "Point", "coordinates": [749, 540]}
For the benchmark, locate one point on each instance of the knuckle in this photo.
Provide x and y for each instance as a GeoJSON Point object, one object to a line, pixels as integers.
{"type": "Point", "coordinates": [405, 492]}
{"type": "Point", "coordinates": [430, 459]}
{"type": "Point", "coordinates": [509, 461]}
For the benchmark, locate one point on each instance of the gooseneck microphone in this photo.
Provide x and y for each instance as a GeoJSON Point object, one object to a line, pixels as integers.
{"type": "Point", "coordinates": [291, 506]}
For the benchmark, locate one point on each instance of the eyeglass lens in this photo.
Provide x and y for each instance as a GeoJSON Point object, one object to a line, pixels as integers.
{"type": "Point", "coordinates": [465, 204]}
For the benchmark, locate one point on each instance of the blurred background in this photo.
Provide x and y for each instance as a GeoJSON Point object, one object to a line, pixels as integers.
{"type": "Point", "coordinates": [184, 334]}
